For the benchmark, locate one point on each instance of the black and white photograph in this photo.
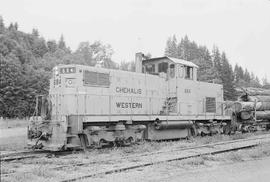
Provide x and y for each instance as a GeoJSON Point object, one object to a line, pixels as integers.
{"type": "Point", "coordinates": [134, 90]}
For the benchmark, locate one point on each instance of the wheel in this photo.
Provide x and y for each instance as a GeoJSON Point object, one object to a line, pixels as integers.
{"type": "Point", "coordinates": [129, 141]}
{"type": "Point", "coordinates": [101, 143]}
{"type": "Point", "coordinates": [203, 134]}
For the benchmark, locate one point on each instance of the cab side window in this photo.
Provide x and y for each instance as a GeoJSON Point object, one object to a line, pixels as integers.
{"type": "Point", "coordinates": [150, 68]}
{"type": "Point", "coordinates": [181, 72]}
{"type": "Point", "coordinates": [172, 70]}
{"type": "Point", "coordinates": [188, 72]}
{"type": "Point", "coordinates": [163, 67]}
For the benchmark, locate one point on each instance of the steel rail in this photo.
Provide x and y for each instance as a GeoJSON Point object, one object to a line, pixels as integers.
{"type": "Point", "coordinates": [31, 154]}
{"type": "Point", "coordinates": [211, 145]}
{"type": "Point", "coordinates": [145, 164]}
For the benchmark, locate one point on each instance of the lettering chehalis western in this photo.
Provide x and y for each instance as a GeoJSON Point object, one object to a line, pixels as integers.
{"type": "Point", "coordinates": [128, 90]}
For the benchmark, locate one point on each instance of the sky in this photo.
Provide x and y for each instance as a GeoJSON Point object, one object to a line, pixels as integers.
{"type": "Point", "coordinates": [241, 28]}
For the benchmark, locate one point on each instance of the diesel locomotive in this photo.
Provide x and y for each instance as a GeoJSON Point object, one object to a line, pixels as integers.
{"type": "Point", "coordinates": [93, 106]}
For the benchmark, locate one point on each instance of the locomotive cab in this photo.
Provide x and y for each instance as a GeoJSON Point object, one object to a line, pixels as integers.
{"type": "Point", "coordinates": [171, 67]}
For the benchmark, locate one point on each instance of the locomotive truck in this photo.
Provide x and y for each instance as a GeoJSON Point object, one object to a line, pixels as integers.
{"type": "Point", "coordinates": [93, 106]}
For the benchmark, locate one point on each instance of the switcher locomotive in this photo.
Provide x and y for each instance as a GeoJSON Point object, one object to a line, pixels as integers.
{"type": "Point", "coordinates": [93, 106]}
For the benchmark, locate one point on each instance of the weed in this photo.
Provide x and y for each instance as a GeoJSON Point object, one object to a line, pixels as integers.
{"type": "Point", "coordinates": [42, 171]}
{"type": "Point", "coordinates": [196, 161]}
{"type": "Point", "coordinates": [235, 157]}
{"type": "Point", "coordinates": [211, 158]}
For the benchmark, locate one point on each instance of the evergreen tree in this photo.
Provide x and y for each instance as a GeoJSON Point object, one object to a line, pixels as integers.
{"type": "Point", "coordinates": [52, 46]}
{"type": "Point", "coordinates": [265, 83]}
{"type": "Point", "coordinates": [217, 62]}
{"type": "Point", "coordinates": [2, 25]}
{"type": "Point", "coordinates": [127, 66]}
{"type": "Point", "coordinates": [246, 76]}
{"type": "Point", "coordinates": [227, 78]}
{"type": "Point", "coordinates": [16, 26]}
{"type": "Point", "coordinates": [11, 26]}
{"type": "Point", "coordinates": [61, 43]}
{"type": "Point", "coordinates": [254, 81]}
{"type": "Point", "coordinates": [236, 73]}
{"type": "Point", "coordinates": [206, 70]}
{"type": "Point", "coordinates": [184, 48]}
{"type": "Point", "coordinates": [35, 32]}
{"type": "Point", "coordinates": [39, 47]}
{"type": "Point", "coordinates": [171, 47]}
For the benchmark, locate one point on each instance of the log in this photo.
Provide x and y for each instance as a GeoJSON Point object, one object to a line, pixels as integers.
{"type": "Point", "coordinates": [263, 115]}
{"type": "Point", "coordinates": [250, 106]}
{"type": "Point", "coordinates": [259, 92]}
{"type": "Point", "coordinates": [258, 98]}
{"type": "Point", "coordinates": [245, 115]}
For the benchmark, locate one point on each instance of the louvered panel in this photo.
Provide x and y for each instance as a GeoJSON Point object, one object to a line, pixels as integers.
{"type": "Point", "coordinates": [210, 104]}
{"type": "Point", "coordinates": [90, 78]}
{"type": "Point", "coordinates": [103, 79]}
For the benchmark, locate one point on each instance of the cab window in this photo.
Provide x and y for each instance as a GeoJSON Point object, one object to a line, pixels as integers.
{"type": "Point", "coordinates": [172, 70]}
{"type": "Point", "coordinates": [163, 67]}
{"type": "Point", "coordinates": [150, 68]}
{"type": "Point", "coordinates": [188, 72]}
{"type": "Point", "coordinates": [181, 72]}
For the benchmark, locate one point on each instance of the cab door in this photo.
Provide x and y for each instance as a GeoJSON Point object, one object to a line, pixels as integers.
{"type": "Point", "coordinates": [172, 89]}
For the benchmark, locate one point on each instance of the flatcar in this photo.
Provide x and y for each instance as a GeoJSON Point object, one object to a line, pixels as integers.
{"type": "Point", "coordinates": [93, 106]}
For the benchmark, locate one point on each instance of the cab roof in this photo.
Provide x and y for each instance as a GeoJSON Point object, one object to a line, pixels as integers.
{"type": "Point", "coordinates": [174, 60]}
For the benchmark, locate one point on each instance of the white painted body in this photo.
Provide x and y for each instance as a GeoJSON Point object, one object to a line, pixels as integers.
{"type": "Point", "coordinates": [145, 102]}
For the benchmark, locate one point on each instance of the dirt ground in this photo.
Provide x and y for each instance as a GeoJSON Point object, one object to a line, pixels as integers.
{"type": "Point", "coordinates": [241, 171]}
{"type": "Point", "coordinates": [246, 165]}
{"type": "Point", "coordinates": [243, 165]}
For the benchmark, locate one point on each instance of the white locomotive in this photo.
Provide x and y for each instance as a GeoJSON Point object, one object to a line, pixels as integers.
{"type": "Point", "coordinates": [92, 106]}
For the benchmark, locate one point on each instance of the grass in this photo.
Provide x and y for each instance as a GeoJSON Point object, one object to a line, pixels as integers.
{"type": "Point", "coordinates": [13, 123]}
{"type": "Point", "coordinates": [42, 171]}
{"type": "Point", "coordinates": [235, 157]}
{"type": "Point", "coordinates": [196, 161]}
{"type": "Point", "coordinates": [13, 143]}
{"type": "Point", "coordinates": [13, 134]}
{"type": "Point", "coordinates": [258, 152]}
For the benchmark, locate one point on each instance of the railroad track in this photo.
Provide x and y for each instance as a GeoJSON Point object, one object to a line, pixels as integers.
{"type": "Point", "coordinates": [21, 155]}
{"type": "Point", "coordinates": [31, 154]}
{"type": "Point", "coordinates": [142, 160]}
{"type": "Point", "coordinates": [178, 154]}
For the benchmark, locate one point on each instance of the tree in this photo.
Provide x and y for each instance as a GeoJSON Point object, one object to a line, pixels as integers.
{"type": "Point", "coordinates": [265, 83]}
{"type": "Point", "coordinates": [52, 46]}
{"type": "Point", "coordinates": [227, 78]}
{"type": "Point", "coordinates": [247, 77]}
{"type": "Point", "coordinates": [217, 62]}
{"type": "Point", "coordinates": [35, 32]}
{"type": "Point", "coordinates": [39, 47]}
{"type": "Point", "coordinates": [62, 43]}
{"type": "Point", "coordinates": [2, 25]}
{"type": "Point", "coordinates": [11, 26]}
{"type": "Point", "coordinates": [171, 47]}
{"type": "Point", "coordinates": [96, 53]}
{"type": "Point", "coordinates": [16, 26]}
{"type": "Point", "coordinates": [206, 71]}
{"type": "Point", "coordinates": [10, 87]}
{"type": "Point", "coordinates": [127, 66]}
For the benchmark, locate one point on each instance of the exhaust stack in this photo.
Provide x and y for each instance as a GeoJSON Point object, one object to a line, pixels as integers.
{"type": "Point", "coordinates": [138, 62]}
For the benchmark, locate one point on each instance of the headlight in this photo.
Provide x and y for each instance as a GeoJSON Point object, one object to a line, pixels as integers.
{"type": "Point", "coordinates": [70, 82]}
{"type": "Point", "coordinates": [56, 71]}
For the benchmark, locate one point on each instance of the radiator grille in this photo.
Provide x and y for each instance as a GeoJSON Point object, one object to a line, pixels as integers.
{"type": "Point", "coordinates": [91, 78]}
{"type": "Point", "coordinates": [210, 104]}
